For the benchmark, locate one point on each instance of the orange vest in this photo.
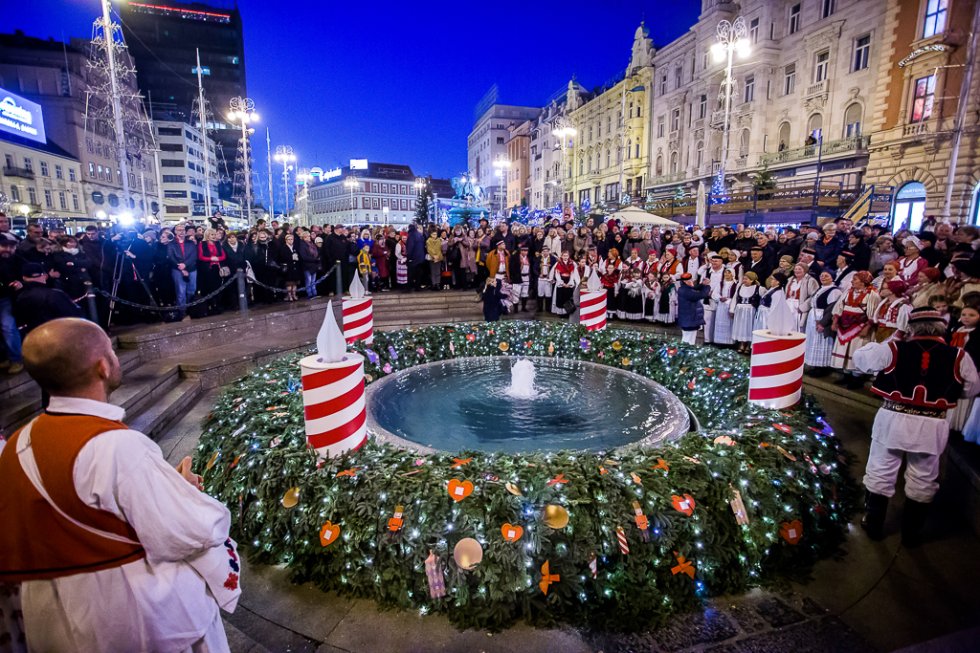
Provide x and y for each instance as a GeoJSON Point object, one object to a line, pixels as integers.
{"type": "Point", "coordinates": [37, 543]}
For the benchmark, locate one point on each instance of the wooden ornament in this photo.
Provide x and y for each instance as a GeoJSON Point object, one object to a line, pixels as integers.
{"type": "Point", "coordinates": [641, 520]}
{"type": "Point", "coordinates": [290, 498]}
{"type": "Point", "coordinates": [547, 578]}
{"type": "Point", "coordinates": [513, 489]}
{"type": "Point", "coordinates": [662, 464]}
{"type": "Point", "coordinates": [329, 533]}
{"type": "Point", "coordinates": [459, 462]}
{"type": "Point", "coordinates": [558, 480]}
{"type": "Point", "coordinates": [738, 507]}
{"type": "Point", "coordinates": [396, 522]}
{"type": "Point", "coordinates": [434, 576]}
{"type": "Point", "coordinates": [211, 461]}
{"type": "Point", "coordinates": [511, 532]}
{"type": "Point", "coordinates": [459, 490]}
{"type": "Point", "coordinates": [791, 531]}
{"type": "Point", "coordinates": [684, 504]}
{"type": "Point", "coordinates": [636, 478]}
{"type": "Point", "coordinates": [684, 566]}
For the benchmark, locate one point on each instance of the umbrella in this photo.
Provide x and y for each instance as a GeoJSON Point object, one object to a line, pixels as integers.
{"type": "Point", "coordinates": [702, 205]}
{"type": "Point", "coordinates": [635, 215]}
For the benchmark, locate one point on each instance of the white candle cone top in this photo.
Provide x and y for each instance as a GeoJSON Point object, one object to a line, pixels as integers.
{"type": "Point", "coordinates": [330, 343]}
{"type": "Point", "coordinates": [356, 289]}
{"type": "Point", "coordinates": [781, 320]}
{"type": "Point", "coordinates": [593, 284]}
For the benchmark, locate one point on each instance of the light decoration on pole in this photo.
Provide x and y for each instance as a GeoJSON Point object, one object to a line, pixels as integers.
{"type": "Point", "coordinates": [358, 312]}
{"type": "Point", "coordinates": [776, 374]}
{"type": "Point", "coordinates": [242, 112]}
{"type": "Point", "coordinates": [733, 38]}
{"type": "Point", "coordinates": [285, 156]}
{"type": "Point", "coordinates": [334, 407]}
{"type": "Point", "coordinates": [502, 167]}
{"type": "Point", "coordinates": [592, 310]}
{"type": "Point", "coordinates": [564, 132]}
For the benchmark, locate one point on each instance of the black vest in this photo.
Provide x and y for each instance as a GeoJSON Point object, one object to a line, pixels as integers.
{"type": "Point", "coordinates": [924, 372]}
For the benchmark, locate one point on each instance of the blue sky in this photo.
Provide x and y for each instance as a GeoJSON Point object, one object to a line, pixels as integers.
{"type": "Point", "coordinates": [397, 81]}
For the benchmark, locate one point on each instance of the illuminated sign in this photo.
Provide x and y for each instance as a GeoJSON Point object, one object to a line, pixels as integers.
{"type": "Point", "coordinates": [358, 164]}
{"type": "Point", "coordinates": [205, 70]}
{"type": "Point", "coordinates": [21, 117]}
{"type": "Point", "coordinates": [331, 174]}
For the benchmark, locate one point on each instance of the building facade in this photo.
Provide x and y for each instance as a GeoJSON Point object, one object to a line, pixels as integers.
{"type": "Point", "coordinates": [519, 172]}
{"type": "Point", "coordinates": [487, 143]}
{"type": "Point", "coordinates": [611, 150]}
{"type": "Point", "coordinates": [41, 180]}
{"type": "Point", "coordinates": [164, 38]}
{"type": "Point", "coordinates": [182, 165]}
{"type": "Point", "coordinates": [376, 194]}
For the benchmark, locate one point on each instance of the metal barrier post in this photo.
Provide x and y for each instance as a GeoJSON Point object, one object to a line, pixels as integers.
{"type": "Point", "coordinates": [90, 307]}
{"type": "Point", "coordinates": [339, 277]}
{"type": "Point", "coordinates": [242, 292]}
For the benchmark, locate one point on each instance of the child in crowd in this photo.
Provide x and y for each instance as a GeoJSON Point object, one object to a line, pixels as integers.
{"type": "Point", "coordinates": [774, 285]}
{"type": "Point", "coordinates": [723, 318]}
{"type": "Point", "coordinates": [493, 300]}
{"type": "Point", "coordinates": [366, 268]}
{"type": "Point", "coordinates": [631, 295]}
{"type": "Point", "coordinates": [665, 300]}
{"type": "Point", "coordinates": [962, 336]}
{"type": "Point", "coordinates": [940, 304]}
{"type": "Point", "coordinates": [650, 289]}
{"type": "Point", "coordinates": [743, 308]}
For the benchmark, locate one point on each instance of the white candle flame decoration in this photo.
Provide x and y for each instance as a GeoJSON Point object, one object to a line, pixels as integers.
{"type": "Point", "coordinates": [330, 343]}
{"type": "Point", "coordinates": [356, 289]}
{"type": "Point", "coordinates": [781, 320]}
{"type": "Point", "coordinates": [593, 284]}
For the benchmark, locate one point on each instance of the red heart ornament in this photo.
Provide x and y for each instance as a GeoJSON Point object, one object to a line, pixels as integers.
{"type": "Point", "coordinates": [329, 533]}
{"type": "Point", "coordinates": [459, 490]}
{"type": "Point", "coordinates": [684, 504]}
{"type": "Point", "coordinates": [511, 532]}
{"type": "Point", "coordinates": [791, 531]}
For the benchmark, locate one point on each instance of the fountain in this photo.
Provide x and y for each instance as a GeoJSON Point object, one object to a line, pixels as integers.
{"type": "Point", "coordinates": [522, 380]}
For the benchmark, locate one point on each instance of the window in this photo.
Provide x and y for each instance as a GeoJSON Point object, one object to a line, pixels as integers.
{"type": "Point", "coordinates": [673, 163]}
{"type": "Point", "coordinates": [8, 160]}
{"type": "Point", "coordinates": [48, 202]}
{"type": "Point", "coordinates": [794, 19]}
{"type": "Point", "coordinates": [500, 141]}
{"type": "Point", "coordinates": [784, 134]}
{"type": "Point", "coordinates": [852, 120]}
{"type": "Point", "coordinates": [675, 120]}
{"type": "Point", "coordinates": [749, 92]}
{"type": "Point", "coordinates": [172, 147]}
{"type": "Point", "coordinates": [862, 52]}
{"type": "Point", "coordinates": [754, 30]}
{"type": "Point", "coordinates": [91, 170]}
{"type": "Point", "coordinates": [678, 77]}
{"type": "Point", "coordinates": [62, 200]}
{"type": "Point", "coordinates": [28, 164]}
{"type": "Point", "coordinates": [660, 127]}
{"type": "Point", "coordinates": [636, 150]}
{"type": "Point", "coordinates": [31, 195]}
{"type": "Point", "coordinates": [703, 107]}
{"type": "Point", "coordinates": [660, 166]}
{"type": "Point", "coordinates": [743, 146]}
{"type": "Point", "coordinates": [15, 193]}
{"type": "Point", "coordinates": [59, 172]}
{"type": "Point", "coordinates": [639, 109]}
{"type": "Point", "coordinates": [608, 157]}
{"type": "Point", "coordinates": [175, 193]}
{"type": "Point", "coordinates": [169, 131]}
{"type": "Point", "coordinates": [172, 163]}
{"type": "Point", "coordinates": [174, 179]}
{"type": "Point", "coordinates": [663, 84]}
{"type": "Point", "coordinates": [699, 154]}
{"type": "Point", "coordinates": [821, 66]}
{"type": "Point", "coordinates": [827, 8]}
{"type": "Point", "coordinates": [74, 202]}
{"type": "Point", "coordinates": [44, 169]}
{"type": "Point", "coordinates": [924, 94]}
{"type": "Point", "coordinates": [935, 22]}
{"type": "Point", "coordinates": [789, 79]}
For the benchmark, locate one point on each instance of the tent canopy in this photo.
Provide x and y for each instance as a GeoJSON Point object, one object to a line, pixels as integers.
{"type": "Point", "coordinates": [634, 215]}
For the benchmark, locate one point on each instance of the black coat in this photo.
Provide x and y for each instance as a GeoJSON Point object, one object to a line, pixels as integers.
{"type": "Point", "coordinates": [36, 304]}
{"type": "Point", "coordinates": [690, 306]}
{"type": "Point", "coordinates": [235, 258]}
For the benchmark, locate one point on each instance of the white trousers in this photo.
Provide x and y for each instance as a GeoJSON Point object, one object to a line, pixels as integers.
{"type": "Point", "coordinates": [689, 337]}
{"type": "Point", "coordinates": [709, 325]}
{"type": "Point", "coordinates": [921, 472]}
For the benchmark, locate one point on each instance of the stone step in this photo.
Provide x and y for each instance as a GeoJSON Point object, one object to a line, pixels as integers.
{"type": "Point", "coordinates": [12, 384]}
{"type": "Point", "coordinates": [825, 388]}
{"type": "Point", "coordinates": [167, 408]}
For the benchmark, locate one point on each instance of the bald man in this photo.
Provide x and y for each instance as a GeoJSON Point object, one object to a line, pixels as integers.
{"type": "Point", "coordinates": [114, 549]}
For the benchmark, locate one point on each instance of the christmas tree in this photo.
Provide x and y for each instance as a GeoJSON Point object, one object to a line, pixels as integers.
{"type": "Point", "coordinates": [719, 193]}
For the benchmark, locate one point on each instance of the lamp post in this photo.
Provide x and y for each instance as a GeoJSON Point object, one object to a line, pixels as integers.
{"type": "Point", "coordinates": [563, 131]}
{"type": "Point", "coordinates": [350, 184]}
{"type": "Point", "coordinates": [502, 165]}
{"type": "Point", "coordinates": [285, 156]}
{"type": "Point", "coordinates": [624, 128]}
{"type": "Point", "coordinates": [243, 112]}
{"type": "Point", "coordinates": [732, 38]}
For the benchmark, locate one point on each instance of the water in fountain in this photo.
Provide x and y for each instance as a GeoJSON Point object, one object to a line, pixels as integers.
{"type": "Point", "coordinates": [522, 381]}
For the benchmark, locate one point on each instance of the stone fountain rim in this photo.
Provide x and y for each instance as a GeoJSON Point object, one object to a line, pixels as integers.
{"type": "Point", "coordinates": [384, 436]}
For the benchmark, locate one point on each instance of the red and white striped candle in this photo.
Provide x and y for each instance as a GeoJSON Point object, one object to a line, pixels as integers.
{"type": "Point", "coordinates": [592, 309]}
{"type": "Point", "coordinates": [358, 318]}
{"type": "Point", "coordinates": [334, 404]}
{"type": "Point", "coordinates": [776, 375]}
{"type": "Point", "coordinates": [624, 546]}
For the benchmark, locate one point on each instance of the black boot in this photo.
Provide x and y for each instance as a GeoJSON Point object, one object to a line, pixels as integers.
{"type": "Point", "coordinates": [523, 304]}
{"type": "Point", "coordinates": [913, 521]}
{"type": "Point", "coordinates": [855, 383]}
{"type": "Point", "coordinates": [844, 379]}
{"type": "Point", "coordinates": [875, 508]}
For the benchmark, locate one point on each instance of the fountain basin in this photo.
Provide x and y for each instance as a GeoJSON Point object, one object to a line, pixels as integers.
{"type": "Point", "coordinates": [464, 404]}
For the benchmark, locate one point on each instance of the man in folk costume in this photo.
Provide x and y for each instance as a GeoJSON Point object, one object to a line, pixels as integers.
{"type": "Point", "coordinates": [546, 263]}
{"type": "Point", "coordinates": [114, 550]}
{"type": "Point", "coordinates": [919, 379]}
{"type": "Point", "coordinates": [845, 271]}
{"type": "Point", "coordinates": [891, 317]}
{"type": "Point", "coordinates": [522, 270]}
{"type": "Point", "coordinates": [712, 275]}
{"type": "Point", "coordinates": [498, 262]}
{"type": "Point", "coordinates": [910, 265]}
{"type": "Point", "coordinates": [692, 262]}
{"type": "Point", "coordinates": [799, 290]}
{"type": "Point", "coordinates": [852, 323]}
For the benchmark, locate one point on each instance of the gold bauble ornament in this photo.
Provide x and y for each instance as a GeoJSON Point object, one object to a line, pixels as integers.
{"type": "Point", "coordinates": [555, 517]}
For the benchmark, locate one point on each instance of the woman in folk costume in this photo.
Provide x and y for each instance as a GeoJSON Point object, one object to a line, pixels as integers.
{"type": "Point", "coordinates": [546, 263]}
{"type": "Point", "coordinates": [634, 262]}
{"type": "Point", "coordinates": [611, 275]}
{"type": "Point", "coordinates": [670, 264]}
{"type": "Point", "coordinates": [725, 299]}
{"type": "Point", "coordinates": [592, 262]}
{"type": "Point", "coordinates": [819, 334]}
{"type": "Point", "coordinates": [631, 295]}
{"type": "Point", "coordinates": [891, 317]}
{"type": "Point", "coordinates": [910, 265]}
{"type": "Point", "coordinates": [889, 271]}
{"type": "Point", "coordinates": [852, 322]}
{"type": "Point", "coordinates": [743, 308]}
{"type": "Point", "coordinates": [845, 271]}
{"type": "Point", "coordinates": [650, 264]}
{"type": "Point", "coordinates": [776, 283]}
{"type": "Point", "coordinates": [966, 417]}
{"type": "Point", "coordinates": [799, 290]}
{"type": "Point", "coordinates": [665, 300]}
{"type": "Point", "coordinates": [521, 272]}
{"type": "Point", "coordinates": [928, 284]}
{"type": "Point", "coordinates": [650, 289]}
{"type": "Point", "coordinates": [732, 262]}
{"type": "Point", "coordinates": [401, 261]}
{"type": "Point", "coordinates": [564, 279]}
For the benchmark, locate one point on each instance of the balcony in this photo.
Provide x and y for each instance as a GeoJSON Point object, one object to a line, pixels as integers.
{"type": "Point", "coordinates": [671, 178]}
{"type": "Point", "coordinates": [14, 171]}
{"type": "Point", "coordinates": [830, 148]}
{"type": "Point", "coordinates": [917, 129]}
{"type": "Point", "coordinates": [815, 89]}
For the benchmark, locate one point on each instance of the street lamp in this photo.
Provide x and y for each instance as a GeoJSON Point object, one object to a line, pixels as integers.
{"type": "Point", "coordinates": [350, 184]}
{"type": "Point", "coordinates": [285, 156]}
{"type": "Point", "coordinates": [563, 131]}
{"type": "Point", "coordinates": [622, 137]}
{"type": "Point", "coordinates": [502, 165]}
{"type": "Point", "coordinates": [243, 112]}
{"type": "Point", "coordinates": [733, 37]}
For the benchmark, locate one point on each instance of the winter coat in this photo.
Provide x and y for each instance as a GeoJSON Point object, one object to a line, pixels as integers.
{"type": "Point", "coordinates": [415, 246]}
{"type": "Point", "coordinates": [309, 256]}
{"type": "Point", "coordinates": [433, 249]}
{"type": "Point", "coordinates": [690, 306]}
